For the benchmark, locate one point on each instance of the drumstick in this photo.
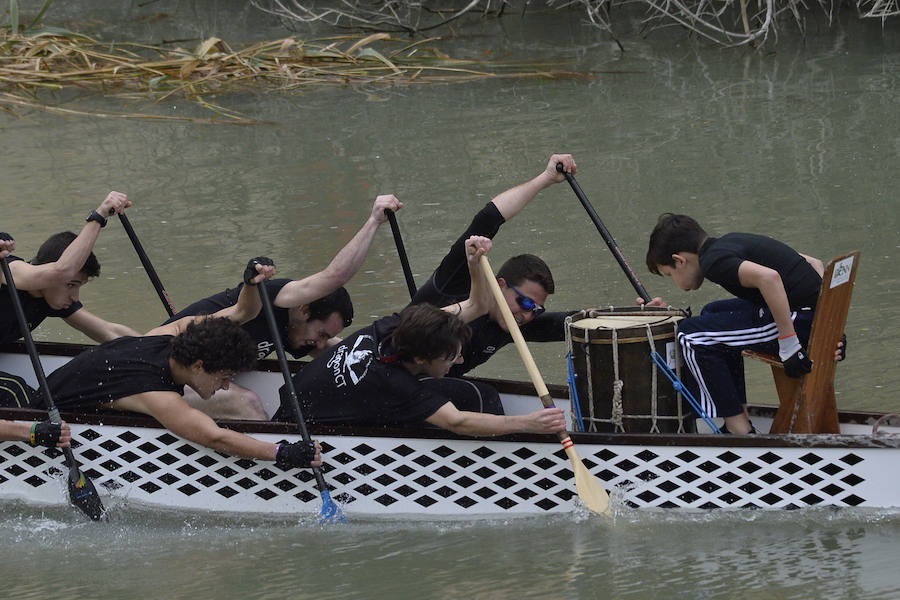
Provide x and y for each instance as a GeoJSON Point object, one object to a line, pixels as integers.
{"type": "Point", "coordinates": [588, 487]}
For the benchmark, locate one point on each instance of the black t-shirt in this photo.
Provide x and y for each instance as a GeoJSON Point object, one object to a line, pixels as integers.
{"type": "Point", "coordinates": [721, 257]}
{"type": "Point", "coordinates": [116, 369]}
{"type": "Point", "coordinates": [356, 382]}
{"type": "Point", "coordinates": [36, 310]}
{"type": "Point", "coordinates": [450, 283]}
{"type": "Point", "coordinates": [257, 327]}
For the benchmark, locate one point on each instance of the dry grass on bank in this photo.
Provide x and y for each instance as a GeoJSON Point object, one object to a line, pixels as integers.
{"type": "Point", "coordinates": [32, 64]}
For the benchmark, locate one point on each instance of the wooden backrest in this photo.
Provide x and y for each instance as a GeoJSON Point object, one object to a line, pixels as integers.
{"type": "Point", "coordinates": [820, 413]}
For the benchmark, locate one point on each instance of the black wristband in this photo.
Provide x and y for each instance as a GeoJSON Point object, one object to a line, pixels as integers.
{"type": "Point", "coordinates": [95, 216]}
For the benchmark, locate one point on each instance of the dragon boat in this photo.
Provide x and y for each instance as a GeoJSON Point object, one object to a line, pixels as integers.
{"type": "Point", "coordinates": [433, 473]}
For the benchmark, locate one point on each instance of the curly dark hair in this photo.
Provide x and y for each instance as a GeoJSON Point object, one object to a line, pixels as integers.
{"type": "Point", "coordinates": [220, 343]}
{"type": "Point", "coordinates": [427, 332]}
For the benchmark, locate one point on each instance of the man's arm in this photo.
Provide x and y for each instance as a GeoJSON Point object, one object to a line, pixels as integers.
{"type": "Point", "coordinates": [174, 414]}
{"type": "Point", "coordinates": [345, 263]}
{"type": "Point", "coordinates": [247, 307]}
{"type": "Point", "coordinates": [463, 422]}
{"type": "Point", "coordinates": [71, 261]}
{"type": "Point", "coordinates": [512, 201]}
{"type": "Point", "coordinates": [480, 297]}
{"type": "Point", "coordinates": [40, 433]}
{"type": "Point", "coordinates": [96, 328]}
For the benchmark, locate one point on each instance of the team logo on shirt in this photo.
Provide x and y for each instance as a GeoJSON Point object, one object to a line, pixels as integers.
{"type": "Point", "coordinates": [263, 349]}
{"type": "Point", "coordinates": [350, 365]}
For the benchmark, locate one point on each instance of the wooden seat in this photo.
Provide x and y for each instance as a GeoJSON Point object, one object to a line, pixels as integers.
{"type": "Point", "coordinates": [807, 404]}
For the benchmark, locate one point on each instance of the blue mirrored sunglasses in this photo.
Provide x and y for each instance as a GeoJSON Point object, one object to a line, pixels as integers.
{"type": "Point", "coordinates": [527, 303]}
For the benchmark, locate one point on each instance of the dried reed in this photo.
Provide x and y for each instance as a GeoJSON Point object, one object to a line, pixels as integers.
{"type": "Point", "coordinates": [57, 60]}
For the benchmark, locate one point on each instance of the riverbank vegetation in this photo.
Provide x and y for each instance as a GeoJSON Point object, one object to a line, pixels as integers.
{"type": "Point", "coordinates": [39, 60]}
{"type": "Point", "coordinates": [383, 46]}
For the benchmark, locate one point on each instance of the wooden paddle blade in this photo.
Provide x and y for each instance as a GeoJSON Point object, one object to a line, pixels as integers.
{"type": "Point", "coordinates": [84, 496]}
{"type": "Point", "coordinates": [590, 491]}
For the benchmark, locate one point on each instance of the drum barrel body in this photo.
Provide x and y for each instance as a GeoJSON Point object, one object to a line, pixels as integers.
{"type": "Point", "coordinates": [618, 386]}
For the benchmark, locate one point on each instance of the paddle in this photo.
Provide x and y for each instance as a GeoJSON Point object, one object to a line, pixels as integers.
{"type": "Point", "coordinates": [604, 232]}
{"type": "Point", "coordinates": [330, 511]}
{"type": "Point", "coordinates": [148, 266]}
{"type": "Point", "coordinates": [589, 488]}
{"type": "Point", "coordinates": [401, 250]}
{"type": "Point", "coordinates": [82, 492]}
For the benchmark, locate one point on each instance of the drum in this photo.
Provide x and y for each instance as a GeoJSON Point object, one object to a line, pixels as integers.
{"type": "Point", "coordinates": [617, 385]}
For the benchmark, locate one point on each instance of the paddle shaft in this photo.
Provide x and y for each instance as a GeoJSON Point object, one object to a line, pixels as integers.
{"type": "Point", "coordinates": [148, 266]}
{"type": "Point", "coordinates": [52, 411]}
{"type": "Point", "coordinates": [401, 251]}
{"type": "Point", "coordinates": [518, 339]}
{"type": "Point", "coordinates": [288, 381]}
{"type": "Point", "coordinates": [589, 488]}
{"type": "Point", "coordinates": [607, 237]}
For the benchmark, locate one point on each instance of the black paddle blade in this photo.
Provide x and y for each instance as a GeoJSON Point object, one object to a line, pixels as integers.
{"type": "Point", "coordinates": [84, 495]}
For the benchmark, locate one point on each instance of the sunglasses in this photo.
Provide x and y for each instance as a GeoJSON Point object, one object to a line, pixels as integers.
{"type": "Point", "coordinates": [527, 303]}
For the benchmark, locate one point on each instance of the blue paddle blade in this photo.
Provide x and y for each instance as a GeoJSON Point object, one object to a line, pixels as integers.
{"type": "Point", "coordinates": [84, 496]}
{"type": "Point", "coordinates": [331, 512]}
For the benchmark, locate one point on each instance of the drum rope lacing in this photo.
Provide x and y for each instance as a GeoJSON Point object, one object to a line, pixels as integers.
{"type": "Point", "coordinates": [617, 385]}
{"type": "Point", "coordinates": [616, 404]}
{"type": "Point", "coordinates": [654, 426]}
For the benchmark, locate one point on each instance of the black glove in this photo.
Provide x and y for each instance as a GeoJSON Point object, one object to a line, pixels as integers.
{"type": "Point", "coordinates": [250, 272]}
{"type": "Point", "coordinates": [797, 364]}
{"type": "Point", "coordinates": [299, 454]}
{"type": "Point", "coordinates": [46, 434]}
{"type": "Point", "coordinates": [5, 236]}
{"type": "Point", "coordinates": [843, 347]}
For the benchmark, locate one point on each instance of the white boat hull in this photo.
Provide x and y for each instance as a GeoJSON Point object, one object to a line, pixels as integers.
{"type": "Point", "coordinates": [437, 475]}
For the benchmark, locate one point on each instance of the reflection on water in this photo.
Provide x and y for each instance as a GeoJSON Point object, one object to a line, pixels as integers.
{"type": "Point", "coordinates": [749, 554]}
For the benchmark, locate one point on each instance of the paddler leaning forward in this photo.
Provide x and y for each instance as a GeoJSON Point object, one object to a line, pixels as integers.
{"type": "Point", "coordinates": [374, 376]}
{"type": "Point", "coordinates": [147, 374]}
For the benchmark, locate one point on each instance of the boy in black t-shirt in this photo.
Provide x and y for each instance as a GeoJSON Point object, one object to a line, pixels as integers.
{"type": "Point", "coordinates": [776, 289]}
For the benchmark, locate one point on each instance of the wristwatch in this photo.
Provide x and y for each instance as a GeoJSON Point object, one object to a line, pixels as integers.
{"type": "Point", "coordinates": [95, 216]}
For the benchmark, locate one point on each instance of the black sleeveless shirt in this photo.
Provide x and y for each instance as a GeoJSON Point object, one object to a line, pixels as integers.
{"type": "Point", "coordinates": [35, 309]}
{"type": "Point", "coordinates": [119, 368]}
{"type": "Point", "coordinates": [258, 327]}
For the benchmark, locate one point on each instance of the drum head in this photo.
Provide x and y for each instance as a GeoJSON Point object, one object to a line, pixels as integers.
{"type": "Point", "coordinates": [628, 328]}
{"type": "Point", "coordinates": [624, 321]}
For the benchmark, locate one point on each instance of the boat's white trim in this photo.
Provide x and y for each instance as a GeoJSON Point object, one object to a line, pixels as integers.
{"type": "Point", "coordinates": [436, 475]}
